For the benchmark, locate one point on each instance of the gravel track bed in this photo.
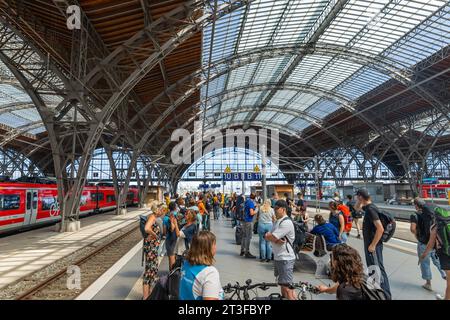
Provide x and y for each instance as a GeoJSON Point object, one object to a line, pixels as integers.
{"type": "Point", "coordinates": [15, 289]}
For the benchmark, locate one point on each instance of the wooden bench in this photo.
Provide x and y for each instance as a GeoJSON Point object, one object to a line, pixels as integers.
{"type": "Point", "coordinates": [316, 248]}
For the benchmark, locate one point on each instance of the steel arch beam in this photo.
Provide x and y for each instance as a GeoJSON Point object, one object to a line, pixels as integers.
{"type": "Point", "coordinates": [17, 132]}
{"type": "Point", "coordinates": [224, 95]}
{"type": "Point", "coordinates": [132, 50]}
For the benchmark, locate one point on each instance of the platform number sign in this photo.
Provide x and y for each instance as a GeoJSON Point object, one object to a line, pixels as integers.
{"type": "Point", "coordinates": [73, 278]}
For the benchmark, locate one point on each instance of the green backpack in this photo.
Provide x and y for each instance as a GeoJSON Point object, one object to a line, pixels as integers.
{"type": "Point", "coordinates": [443, 228]}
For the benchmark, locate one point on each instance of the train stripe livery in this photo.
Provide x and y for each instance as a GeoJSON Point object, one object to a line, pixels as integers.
{"type": "Point", "coordinates": [23, 205]}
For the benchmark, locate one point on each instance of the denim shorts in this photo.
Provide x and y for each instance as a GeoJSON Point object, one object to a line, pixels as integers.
{"type": "Point", "coordinates": [284, 272]}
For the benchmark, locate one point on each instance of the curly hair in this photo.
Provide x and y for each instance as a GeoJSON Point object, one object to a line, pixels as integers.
{"type": "Point", "coordinates": [347, 266]}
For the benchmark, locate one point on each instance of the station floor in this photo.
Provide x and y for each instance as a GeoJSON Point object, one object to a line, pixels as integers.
{"type": "Point", "coordinates": [400, 262]}
{"type": "Point", "coordinates": [25, 253]}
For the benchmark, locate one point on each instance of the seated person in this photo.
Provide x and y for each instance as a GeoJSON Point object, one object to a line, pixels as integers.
{"type": "Point", "coordinates": [329, 231]}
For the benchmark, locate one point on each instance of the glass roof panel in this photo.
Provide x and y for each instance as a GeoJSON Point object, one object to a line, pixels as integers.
{"type": "Point", "coordinates": [230, 103]}
{"type": "Point", "coordinates": [252, 97]}
{"type": "Point", "coordinates": [241, 76]}
{"type": "Point", "coordinates": [303, 101]}
{"type": "Point", "coordinates": [322, 109]}
{"type": "Point", "coordinates": [282, 119]}
{"type": "Point", "coordinates": [298, 21]}
{"type": "Point", "coordinates": [10, 94]}
{"type": "Point", "coordinates": [269, 70]}
{"type": "Point", "coordinates": [240, 116]}
{"type": "Point", "coordinates": [299, 124]}
{"type": "Point", "coordinates": [262, 21]}
{"type": "Point", "coordinates": [265, 116]}
{"type": "Point", "coordinates": [12, 120]}
{"type": "Point", "coordinates": [28, 114]}
{"type": "Point", "coordinates": [308, 68]}
{"type": "Point", "coordinates": [335, 72]}
{"type": "Point", "coordinates": [282, 97]}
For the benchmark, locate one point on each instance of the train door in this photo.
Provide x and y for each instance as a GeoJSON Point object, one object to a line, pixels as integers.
{"type": "Point", "coordinates": [31, 207]}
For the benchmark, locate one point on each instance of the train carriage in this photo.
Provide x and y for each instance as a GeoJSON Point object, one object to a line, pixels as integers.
{"type": "Point", "coordinates": [25, 204]}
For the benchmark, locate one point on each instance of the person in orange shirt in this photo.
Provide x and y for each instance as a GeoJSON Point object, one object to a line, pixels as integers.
{"type": "Point", "coordinates": [203, 212]}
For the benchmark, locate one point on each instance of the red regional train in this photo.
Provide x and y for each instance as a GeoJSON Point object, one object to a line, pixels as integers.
{"type": "Point", "coordinates": [435, 190]}
{"type": "Point", "coordinates": [26, 204]}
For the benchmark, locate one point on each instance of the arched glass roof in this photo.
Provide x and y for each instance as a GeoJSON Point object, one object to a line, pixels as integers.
{"type": "Point", "coordinates": [17, 111]}
{"type": "Point", "coordinates": [397, 33]}
{"type": "Point", "coordinates": [213, 164]}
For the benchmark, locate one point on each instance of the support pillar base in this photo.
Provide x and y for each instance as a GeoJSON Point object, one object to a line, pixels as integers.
{"type": "Point", "coordinates": [69, 226]}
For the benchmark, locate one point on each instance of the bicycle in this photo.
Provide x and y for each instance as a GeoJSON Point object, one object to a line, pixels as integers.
{"type": "Point", "coordinates": [304, 288]}
{"type": "Point", "coordinates": [237, 288]}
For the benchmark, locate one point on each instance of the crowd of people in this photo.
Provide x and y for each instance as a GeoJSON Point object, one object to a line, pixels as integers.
{"type": "Point", "coordinates": [184, 223]}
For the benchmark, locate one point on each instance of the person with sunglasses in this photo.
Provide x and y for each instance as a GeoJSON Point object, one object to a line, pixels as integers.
{"type": "Point", "coordinates": [282, 238]}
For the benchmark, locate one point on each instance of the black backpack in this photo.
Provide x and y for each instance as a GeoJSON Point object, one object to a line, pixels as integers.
{"type": "Point", "coordinates": [372, 291]}
{"type": "Point", "coordinates": [142, 222]}
{"type": "Point", "coordinates": [389, 225]}
{"type": "Point", "coordinates": [388, 221]}
{"type": "Point", "coordinates": [300, 230]}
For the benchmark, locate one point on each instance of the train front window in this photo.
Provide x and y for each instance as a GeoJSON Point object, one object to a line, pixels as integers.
{"type": "Point", "coordinates": [9, 202]}
{"type": "Point", "coordinates": [130, 196]}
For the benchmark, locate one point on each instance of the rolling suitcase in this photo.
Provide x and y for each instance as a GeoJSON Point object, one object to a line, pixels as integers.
{"type": "Point", "coordinates": [238, 234]}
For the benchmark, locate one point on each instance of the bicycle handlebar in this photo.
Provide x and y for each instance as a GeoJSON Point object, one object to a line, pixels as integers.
{"type": "Point", "coordinates": [262, 286]}
{"type": "Point", "coordinates": [305, 286]}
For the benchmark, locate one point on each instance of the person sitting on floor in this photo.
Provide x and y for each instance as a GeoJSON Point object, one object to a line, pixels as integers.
{"type": "Point", "coordinates": [329, 231]}
{"type": "Point", "coordinates": [347, 272]}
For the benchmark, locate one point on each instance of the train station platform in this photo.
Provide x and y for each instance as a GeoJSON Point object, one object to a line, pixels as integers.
{"type": "Point", "coordinates": [28, 252]}
{"type": "Point", "coordinates": [400, 262]}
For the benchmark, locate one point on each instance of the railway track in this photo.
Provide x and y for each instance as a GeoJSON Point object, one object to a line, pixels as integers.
{"type": "Point", "coordinates": [92, 266]}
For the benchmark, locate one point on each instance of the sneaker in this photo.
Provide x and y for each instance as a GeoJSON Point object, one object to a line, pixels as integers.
{"type": "Point", "coordinates": [427, 286]}
{"type": "Point", "coordinates": [262, 260]}
{"type": "Point", "coordinates": [249, 255]}
{"type": "Point", "coordinates": [267, 260]}
{"type": "Point", "coordinates": [242, 253]}
{"type": "Point", "coordinates": [358, 236]}
{"type": "Point", "coordinates": [439, 297]}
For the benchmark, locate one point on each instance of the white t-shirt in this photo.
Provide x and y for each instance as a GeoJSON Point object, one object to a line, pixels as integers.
{"type": "Point", "coordinates": [180, 246]}
{"type": "Point", "coordinates": [281, 229]}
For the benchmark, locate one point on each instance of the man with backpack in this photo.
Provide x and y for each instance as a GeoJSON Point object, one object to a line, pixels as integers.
{"type": "Point", "coordinates": [373, 231]}
{"type": "Point", "coordinates": [282, 238]}
{"type": "Point", "coordinates": [421, 223]}
{"type": "Point", "coordinates": [440, 240]}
